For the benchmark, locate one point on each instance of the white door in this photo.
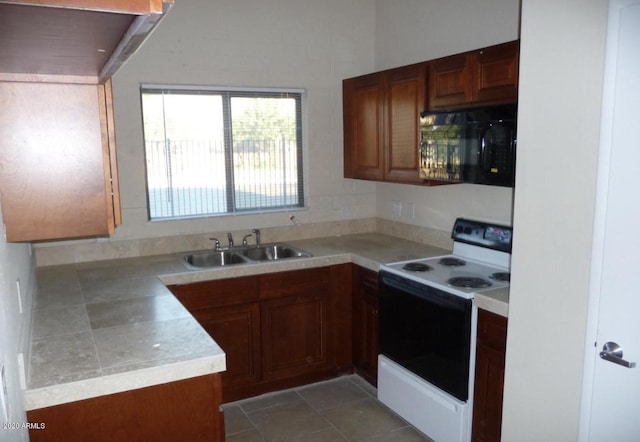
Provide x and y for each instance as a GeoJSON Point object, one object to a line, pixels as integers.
{"type": "Point", "coordinates": [611, 398]}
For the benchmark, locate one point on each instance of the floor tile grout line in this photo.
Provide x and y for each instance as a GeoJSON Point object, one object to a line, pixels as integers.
{"type": "Point", "coordinates": [321, 415]}
{"type": "Point", "coordinates": [369, 394]}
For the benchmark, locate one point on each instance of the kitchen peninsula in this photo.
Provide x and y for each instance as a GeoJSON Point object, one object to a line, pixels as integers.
{"type": "Point", "coordinates": [108, 328]}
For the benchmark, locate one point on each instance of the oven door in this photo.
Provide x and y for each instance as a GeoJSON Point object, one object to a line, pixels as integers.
{"type": "Point", "coordinates": [427, 331]}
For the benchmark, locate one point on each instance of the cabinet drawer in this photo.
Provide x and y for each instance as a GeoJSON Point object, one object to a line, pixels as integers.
{"type": "Point", "coordinates": [281, 284]}
{"type": "Point", "coordinates": [492, 330]}
{"type": "Point", "coordinates": [217, 293]}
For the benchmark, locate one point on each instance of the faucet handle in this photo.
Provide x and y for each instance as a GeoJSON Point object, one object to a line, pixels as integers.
{"type": "Point", "coordinates": [217, 243]}
{"type": "Point", "coordinates": [230, 238]}
{"type": "Point", "coordinates": [257, 232]}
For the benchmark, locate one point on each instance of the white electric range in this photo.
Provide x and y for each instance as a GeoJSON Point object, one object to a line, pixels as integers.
{"type": "Point", "coordinates": [427, 328]}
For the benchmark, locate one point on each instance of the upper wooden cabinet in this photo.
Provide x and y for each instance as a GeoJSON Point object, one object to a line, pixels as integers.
{"type": "Point", "coordinates": [87, 39]}
{"type": "Point", "coordinates": [57, 161]}
{"type": "Point", "coordinates": [381, 124]}
{"type": "Point", "coordinates": [58, 168]}
{"type": "Point", "coordinates": [484, 76]}
{"type": "Point", "coordinates": [381, 110]}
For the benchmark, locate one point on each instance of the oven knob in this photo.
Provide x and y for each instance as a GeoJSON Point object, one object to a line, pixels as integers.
{"type": "Point", "coordinates": [459, 229]}
{"type": "Point", "coordinates": [468, 230]}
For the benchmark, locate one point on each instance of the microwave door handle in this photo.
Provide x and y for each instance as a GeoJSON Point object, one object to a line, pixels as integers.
{"type": "Point", "coordinates": [482, 160]}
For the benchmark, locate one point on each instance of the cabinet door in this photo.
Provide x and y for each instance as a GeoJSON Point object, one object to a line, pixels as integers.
{"type": "Point", "coordinates": [107, 120]}
{"type": "Point", "coordinates": [489, 381]}
{"type": "Point", "coordinates": [483, 77]}
{"type": "Point", "coordinates": [185, 410]}
{"type": "Point", "coordinates": [236, 329]}
{"type": "Point", "coordinates": [450, 81]}
{"type": "Point", "coordinates": [405, 100]}
{"type": "Point", "coordinates": [365, 323]}
{"type": "Point", "coordinates": [497, 74]}
{"type": "Point", "coordinates": [54, 170]}
{"type": "Point", "coordinates": [363, 113]}
{"type": "Point", "coordinates": [294, 335]}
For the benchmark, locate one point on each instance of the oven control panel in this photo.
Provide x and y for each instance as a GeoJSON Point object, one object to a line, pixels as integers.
{"type": "Point", "coordinates": [479, 233]}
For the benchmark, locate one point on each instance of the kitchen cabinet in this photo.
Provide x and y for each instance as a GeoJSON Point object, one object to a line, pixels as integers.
{"type": "Point", "coordinates": [57, 162]}
{"type": "Point", "coordinates": [365, 323]}
{"type": "Point", "coordinates": [381, 109]}
{"type": "Point", "coordinates": [229, 311]}
{"type": "Point", "coordinates": [278, 330]}
{"type": "Point", "coordinates": [481, 77]}
{"type": "Point", "coordinates": [381, 124]}
{"type": "Point", "coordinates": [294, 316]}
{"type": "Point", "coordinates": [58, 166]}
{"type": "Point", "coordinates": [489, 377]}
{"type": "Point", "coordinates": [182, 410]}
{"type": "Point", "coordinates": [73, 41]}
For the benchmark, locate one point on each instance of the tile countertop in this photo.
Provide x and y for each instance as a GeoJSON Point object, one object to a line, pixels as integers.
{"type": "Point", "coordinates": [110, 326]}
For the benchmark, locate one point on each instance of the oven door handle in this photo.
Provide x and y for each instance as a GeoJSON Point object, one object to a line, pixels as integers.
{"type": "Point", "coordinates": [424, 291]}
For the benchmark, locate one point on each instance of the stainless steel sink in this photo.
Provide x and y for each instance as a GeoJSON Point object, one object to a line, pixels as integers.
{"type": "Point", "coordinates": [272, 252]}
{"type": "Point", "coordinates": [241, 255]}
{"type": "Point", "coordinates": [199, 260]}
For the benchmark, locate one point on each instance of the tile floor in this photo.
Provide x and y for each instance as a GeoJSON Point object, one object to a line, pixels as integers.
{"type": "Point", "coordinates": [342, 409]}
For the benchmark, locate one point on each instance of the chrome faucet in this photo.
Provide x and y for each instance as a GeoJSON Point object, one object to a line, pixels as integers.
{"type": "Point", "coordinates": [244, 240]}
{"type": "Point", "coordinates": [230, 238]}
{"type": "Point", "coordinates": [257, 232]}
{"type": "Point", "coordinates": [216, 247]}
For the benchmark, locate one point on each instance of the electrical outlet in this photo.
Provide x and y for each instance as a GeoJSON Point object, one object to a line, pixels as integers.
{"type": "Point", "coordinates": [4, 394]}
{"type": "Point", "coordinates": [410, 210]}
{"type": "Point", "coordinates": [396, 208]}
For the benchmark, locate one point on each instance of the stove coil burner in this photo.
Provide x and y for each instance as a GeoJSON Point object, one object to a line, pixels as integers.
{"type": "Point", "coordinates": [452, 262]}
{"type": "Point", "coordinates": [501, 276]}
{"type": "Point", "coordinates": [417, 267]}
{"type": "Point", "coordinates": [469, 282]}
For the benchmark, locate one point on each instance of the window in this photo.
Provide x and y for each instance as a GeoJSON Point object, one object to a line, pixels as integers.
{"type": "Point", "coordinates": [216, 151]}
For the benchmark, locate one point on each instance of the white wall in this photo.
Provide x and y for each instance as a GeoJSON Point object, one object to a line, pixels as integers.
{"type": "Point", "coordinates": [275, 43]}
{"type": "Point", "coordinates": [418, 30]}
{"type": "Point", "coordinates": [561, 64]}
{"type": "Point", "coordinates": [16, 263]}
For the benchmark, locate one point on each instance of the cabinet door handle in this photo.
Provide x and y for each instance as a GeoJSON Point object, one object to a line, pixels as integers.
{"type": "Point", "coordinates": [612, 352]}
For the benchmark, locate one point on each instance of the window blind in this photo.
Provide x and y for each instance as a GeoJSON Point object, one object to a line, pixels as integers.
{"type": "Point", "coordinates": [214, 151]}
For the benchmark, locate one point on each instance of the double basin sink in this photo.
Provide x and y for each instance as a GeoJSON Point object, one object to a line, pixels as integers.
{"type": "Point", "coordinates": [241, 255]}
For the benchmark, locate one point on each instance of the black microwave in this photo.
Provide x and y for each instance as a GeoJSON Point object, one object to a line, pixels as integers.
{"type": "Point", "coordinates": [475, 145]}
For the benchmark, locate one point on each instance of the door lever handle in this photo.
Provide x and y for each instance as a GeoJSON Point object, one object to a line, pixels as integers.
{"type": "Point", "coordinates": [612, 352]}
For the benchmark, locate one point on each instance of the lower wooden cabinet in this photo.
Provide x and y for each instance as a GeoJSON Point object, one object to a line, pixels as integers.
{"type": "Point", "coordinates": [237, 330]}
{"type": "Point", "coordinates": [365, 323]}
{"type": "Point", "coordinates": [294, 335]}
{"type": "Point", "coordinates": [278, 330]}
{"type": "Point", "coordinates": [182, 410]}
{"type": "Point", "coordinates": [489, 382]}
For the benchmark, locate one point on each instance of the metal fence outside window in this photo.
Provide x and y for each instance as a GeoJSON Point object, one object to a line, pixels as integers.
{"type": "Point", "coordinates": [190, 177]}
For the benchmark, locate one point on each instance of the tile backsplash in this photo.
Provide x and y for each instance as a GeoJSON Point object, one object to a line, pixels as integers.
{"type": "Point", "coordinates": [104, 249]}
